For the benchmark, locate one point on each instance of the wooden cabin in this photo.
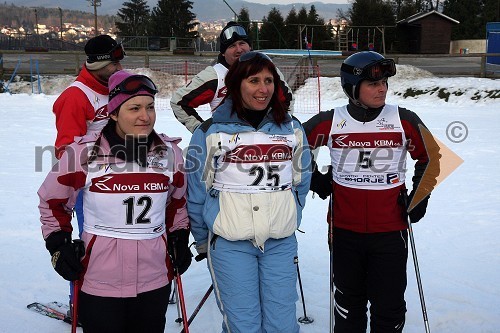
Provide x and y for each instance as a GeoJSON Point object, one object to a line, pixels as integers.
{"type": "Point", "coordinates": [425, 33]}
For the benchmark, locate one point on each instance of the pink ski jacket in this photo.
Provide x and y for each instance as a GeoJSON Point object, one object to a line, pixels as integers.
{"type": "Point", "coordinates": [114, 267]}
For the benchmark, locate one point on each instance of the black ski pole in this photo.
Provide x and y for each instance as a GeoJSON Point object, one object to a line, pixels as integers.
{"type": "Point", "coordinates": [177, 303]}
{"type": "Point", "coordinates": [417, 270]}
{"type": "Point", "coordinates": [180, 291]}
{"type": "Point", "coordinates": [172, 299]}
{"type": "Point", "coordinates": [203, 300]}
{"type": "Point", "coordinates": [330, 246]}
{"type": "Point", "coordinates": [305, 319]}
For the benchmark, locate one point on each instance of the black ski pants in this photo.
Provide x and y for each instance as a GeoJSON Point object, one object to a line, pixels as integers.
{"type": "Point", "coordinates": [369, 268]}
{"type": "Point", "coordinates": [142, 314]}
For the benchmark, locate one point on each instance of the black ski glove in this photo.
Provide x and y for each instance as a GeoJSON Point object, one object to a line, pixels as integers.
{"type": "Point", "coordinates": [65, 255]}
{"type": "Point", "coordinates": [201, 256]}
{"type": "Point", "coordinates": [178, 247]}
{"type": "Point", "coordinates": [418, 212]}
{"type": "Point", "coordinates": [321, 184]}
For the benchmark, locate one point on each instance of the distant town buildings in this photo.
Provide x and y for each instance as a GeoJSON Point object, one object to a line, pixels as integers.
{"type": "Point", "coordinates": [70, 32]}
{"type": "Point", "coordinates": [209, 31]}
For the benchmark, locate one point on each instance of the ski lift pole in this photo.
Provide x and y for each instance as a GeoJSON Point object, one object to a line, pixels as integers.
{"type": "Point", "coordinates": [13, 74]}
{"type": "Point", "coordinates": [31, 75]}
{"type": "Point", "coordinates": [38, 77]}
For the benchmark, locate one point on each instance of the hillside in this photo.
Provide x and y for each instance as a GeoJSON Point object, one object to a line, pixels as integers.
{"type": "Point", "coordinates": [23, 16]}
{"type": "Point", "coordinates": [205, 10]}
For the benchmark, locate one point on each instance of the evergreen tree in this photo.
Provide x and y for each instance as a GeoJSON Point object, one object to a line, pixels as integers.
{"type": "Point", "coordinates": [302, 15]}
{"type": "Point", "coordinates": [472, 17]}
{"type": "Point", "coordinates": [370, 13]}
{"type": "Point", "coordinates": [173, 18]}
{"type": "Point", "coordinates": [405, 8]}
{"type": "Point", "coordinates": [134, 18]}
{"type": "Point", "coordinates": [491, 10]}
{"type": "Point", "coordinates": [271, 28]}
{"type": "Point", "coordinates": [312, 16]}
{"type": "Point", "coordinates": [320, 34]}
{"type": "Point", "coordinates": [251, 28]}
{"type": "Point", "coordinates": [291, 29]}
{"type": "Point", "coordinates": [244, 18]}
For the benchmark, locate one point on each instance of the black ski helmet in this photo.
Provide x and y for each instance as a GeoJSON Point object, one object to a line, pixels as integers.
{"type": "Point", "coordinates": [365, 65]}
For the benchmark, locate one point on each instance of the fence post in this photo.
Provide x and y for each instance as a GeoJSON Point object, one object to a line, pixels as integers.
{"type": "Point", "coordinates": [77, 65]}
{"type": "Point", "coordinates": [1, 66]}
{"type": "Point", "coordinates": [146, 60]}
{"type": "Point", "coordinates": [483, 66]}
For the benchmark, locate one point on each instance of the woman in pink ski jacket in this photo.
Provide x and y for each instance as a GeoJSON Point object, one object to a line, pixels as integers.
{"type": "Point", "coordinates": [134, 194]}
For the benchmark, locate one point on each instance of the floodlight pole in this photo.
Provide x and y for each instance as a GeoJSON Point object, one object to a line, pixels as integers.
{"type": "Point", "coordinates": [95, 3]}
{"type": "Point", "coordinates": [36, 21]}
{"type": "Point", "coordinates": [60, 17]}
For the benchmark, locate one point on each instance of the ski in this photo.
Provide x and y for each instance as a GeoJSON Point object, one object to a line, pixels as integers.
{"type": "Point", "coordinates": [56, 310]}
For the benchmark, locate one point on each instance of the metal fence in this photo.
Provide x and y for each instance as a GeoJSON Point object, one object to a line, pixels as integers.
{"type": "Point", "coordinates": [171, 76]}
{"type": "Point", "coordinates": [37, 43]}
{"type": "Point", "coordinates": [158, 43]}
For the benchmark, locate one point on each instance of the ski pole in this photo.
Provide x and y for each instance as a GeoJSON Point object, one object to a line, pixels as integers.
{"type": "Point", "coordinates": [173, 297]}
{"type": "Point", "coordinates": [79, 248]}
{"type": "Point", "coordinates": [203, 300]}
{"type": "Point", "coordinates": [330, 246]}
{"type": "Point", "coordinates": [417, 270]}
{"type": "Point", "coordinates": [180, 292]}
{"type": "Point", "coordinates": [176, 301]}
{"type": "Point", "coordinates": [74, 315]}
{"type": "Point", "coordinates": [305, 319]}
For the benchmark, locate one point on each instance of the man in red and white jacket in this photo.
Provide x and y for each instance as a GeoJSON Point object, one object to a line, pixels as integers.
{"type": "Point", "coordinates": [368, 142]}
{"type": "Point", "coordinates": [82, 105]}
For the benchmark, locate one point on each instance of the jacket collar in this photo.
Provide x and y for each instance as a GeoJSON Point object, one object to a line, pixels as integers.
{"type": "Point", "coordinates": [223, 114]}
{"type": "Point", "coordinates": [92, 82]}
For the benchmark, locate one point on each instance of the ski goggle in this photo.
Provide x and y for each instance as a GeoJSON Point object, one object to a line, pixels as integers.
{"type": "Point", "coordinates": [116, 54]}
{"type": "Point", "coordinates": [252, 54]}
{"type": "Point", "coordinates": [236, 29]}
{"type": "Point", "coordinates": [374, 72]}
{"type": "Point", "coordinates": [133, 84]}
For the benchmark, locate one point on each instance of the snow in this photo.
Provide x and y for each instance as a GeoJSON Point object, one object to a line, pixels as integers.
{"type": "Point", "coordinates": [457, 241]}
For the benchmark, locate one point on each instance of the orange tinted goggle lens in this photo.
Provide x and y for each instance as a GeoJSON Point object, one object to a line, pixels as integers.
{"type": "Point", "coordinates": [381, 70]}
{"type": "Point", "coordinates": [133, 84]}
{"type": "Point", "coordinates": [117, 53]}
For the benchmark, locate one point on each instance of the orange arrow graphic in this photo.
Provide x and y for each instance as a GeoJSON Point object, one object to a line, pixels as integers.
{"type": "Point", "coordinates": [442, 162]}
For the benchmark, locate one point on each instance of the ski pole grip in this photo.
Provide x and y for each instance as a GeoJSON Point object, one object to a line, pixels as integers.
{"type": "Point", "coordinates": [79, 247]}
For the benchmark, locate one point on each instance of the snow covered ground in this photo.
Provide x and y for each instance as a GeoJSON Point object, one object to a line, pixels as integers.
{"type": "Point", "coordinates": [457, 242]}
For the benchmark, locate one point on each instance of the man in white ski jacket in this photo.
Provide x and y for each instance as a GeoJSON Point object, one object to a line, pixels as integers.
{"type": "Point", "coordinates": [208, 87]}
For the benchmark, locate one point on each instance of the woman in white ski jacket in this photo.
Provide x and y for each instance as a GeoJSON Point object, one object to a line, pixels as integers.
{"type": "Point", "coordinates": [248, 176]}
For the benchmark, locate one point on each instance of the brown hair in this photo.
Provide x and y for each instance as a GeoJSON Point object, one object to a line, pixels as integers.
{"type": "Point", "coordinates": [250, 64]}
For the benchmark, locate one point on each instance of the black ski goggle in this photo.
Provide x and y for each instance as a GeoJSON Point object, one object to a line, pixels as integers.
{"type": "Point", "coordinates": [374, 72]}
{"type": "Point", "coordinates": [133, 84]}
{"type": "Point", "coordinates": [252, 54]}
{"type": "Point", "coordinates": [116, 54]}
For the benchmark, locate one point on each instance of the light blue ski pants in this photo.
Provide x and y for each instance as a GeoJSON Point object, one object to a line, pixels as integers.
{"type": "Point", "coordinates": [256, 291]}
